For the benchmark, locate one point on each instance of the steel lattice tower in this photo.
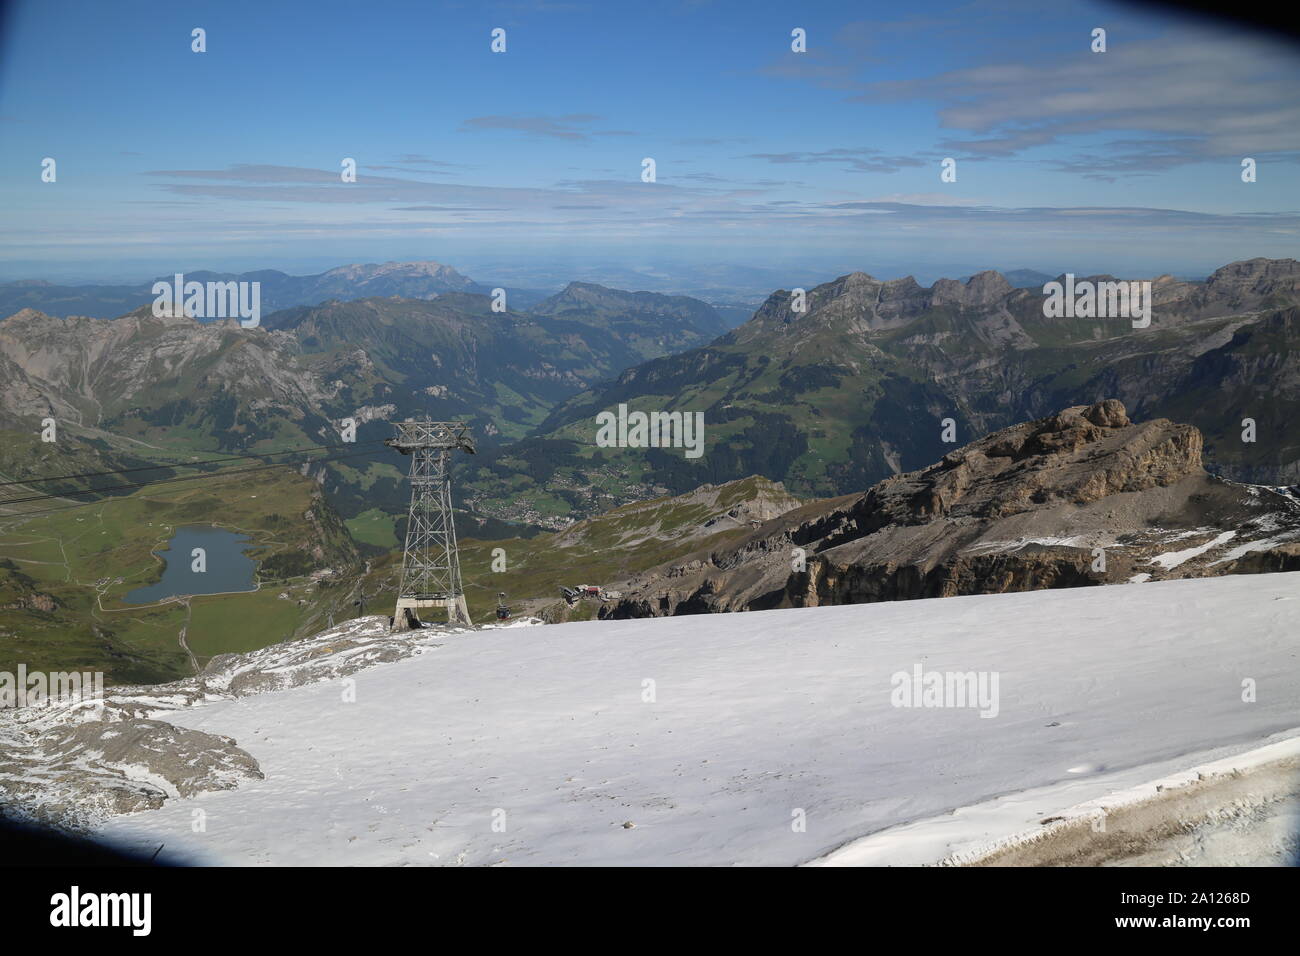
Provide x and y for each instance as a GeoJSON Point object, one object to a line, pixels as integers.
{"type": "Point", "coordinates": [430, 561]}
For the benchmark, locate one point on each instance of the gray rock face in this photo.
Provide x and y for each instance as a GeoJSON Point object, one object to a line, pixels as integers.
{"type": "Point", "coordinates": [75, 772]}
{"type": "Point", "coordinates": [77, 365]}
{"type": "Point", "coordinates": [1029, 507]}
{"type": "Point", "coordinates": [185, 762]}
{"type": "Point", "coordinates": [874, 305]}
{"type": "Point", "coordinates": [883, 305]}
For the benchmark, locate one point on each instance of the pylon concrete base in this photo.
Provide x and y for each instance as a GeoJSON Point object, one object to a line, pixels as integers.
{"type": "Point", "coordinates": [406, 615]}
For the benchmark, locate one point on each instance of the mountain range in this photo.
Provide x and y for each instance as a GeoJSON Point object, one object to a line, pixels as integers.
{"type": "Point", "coordinates": [861, 384]}
{"type": "Point", "coordinates": [858, 386]}
{"type": "Point", "coordinates": [118, 386]}
{"type": "Point", "coordinates": [279, 290]}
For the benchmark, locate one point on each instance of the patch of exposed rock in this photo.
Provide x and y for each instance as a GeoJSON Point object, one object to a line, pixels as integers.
{"type": "Point", "coordinates": [77, 772]}
{"type": "Point", "coordinates": [1080, 498]}
{"type": "Point", "coordinates": [700, 513]}
{"type": "Point", "coordinates": [74, 763]}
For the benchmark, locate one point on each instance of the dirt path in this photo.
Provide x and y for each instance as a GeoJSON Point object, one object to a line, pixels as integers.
{"type": "Point", "coordinates": [189, 613]}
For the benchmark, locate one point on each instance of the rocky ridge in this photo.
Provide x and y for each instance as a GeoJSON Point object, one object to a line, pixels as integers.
{"type": "Point", "coordinates": [1084, 497]}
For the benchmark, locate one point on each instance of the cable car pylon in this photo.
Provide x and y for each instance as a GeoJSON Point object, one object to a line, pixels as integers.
{"type": "Point", "coordinates": [430, 560]}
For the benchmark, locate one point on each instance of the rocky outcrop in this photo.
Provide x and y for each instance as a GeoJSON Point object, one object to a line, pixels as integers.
{"type": "Point", "coordinates": [1245, 285]}
{"type": "Point", "coordinates": [121, 766]}
{"type": "Point", "coordinates": [1083, 497]}
{"type": "Point", "coordinates": [36, 601]}
{"type": "Point", "coordinates": [874, 305]}
{"type": "Point", "coordinates": [699, 514]}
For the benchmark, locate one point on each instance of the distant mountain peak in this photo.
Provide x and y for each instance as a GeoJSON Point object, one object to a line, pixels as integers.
{"type": "Point", "coordinates": [25, 315]}
{"type": "Point", "coordinates": [426, 268]}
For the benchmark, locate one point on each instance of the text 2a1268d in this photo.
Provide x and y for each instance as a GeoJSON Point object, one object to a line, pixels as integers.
{"type": "Point", "coordinates": [1202, 897]}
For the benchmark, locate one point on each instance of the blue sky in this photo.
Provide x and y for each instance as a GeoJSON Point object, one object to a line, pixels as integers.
{"type": "Point", "coordinates": [1067, 160]}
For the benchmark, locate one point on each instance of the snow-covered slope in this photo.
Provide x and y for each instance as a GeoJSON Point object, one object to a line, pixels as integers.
{"type": "Point", "coordinates": [548, 745]}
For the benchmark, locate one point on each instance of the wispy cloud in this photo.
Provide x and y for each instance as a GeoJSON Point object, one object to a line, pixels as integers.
{"type": "Point", "coordinates": [709, 141]}
{"type": "Point", "coordinates": [1217, 95]}
{"type": "Point", "coordinates": [860, 159]}
{"type": "Point", "coordinates": [1130, 158]}
{"type": "Point", "coordinates": [1189, 94]}
{"type": "Point", "coordinates": [419, 163]}
{"type": "Point", "coordinates": [595, 207]}
{"type": "Point", "coordinates": [573, 126]}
